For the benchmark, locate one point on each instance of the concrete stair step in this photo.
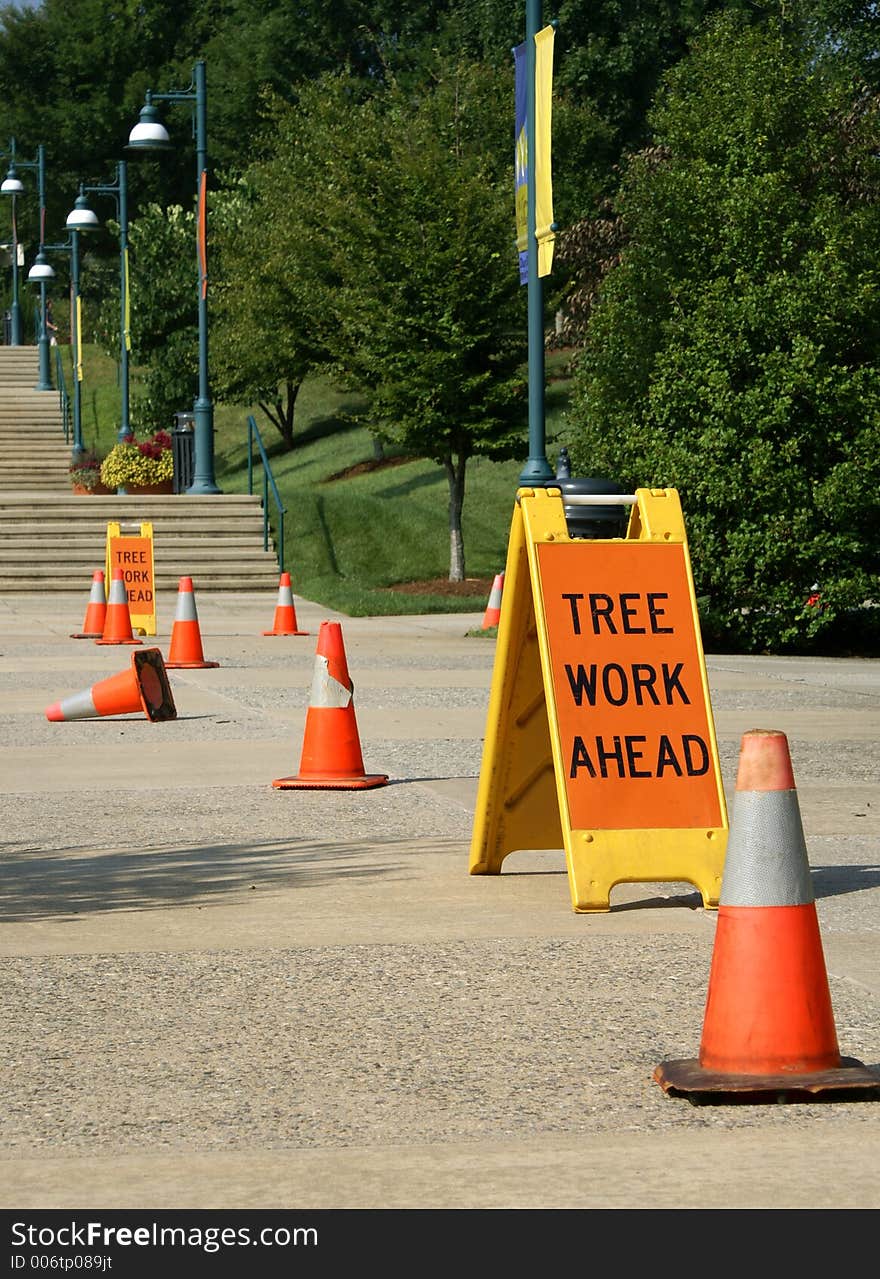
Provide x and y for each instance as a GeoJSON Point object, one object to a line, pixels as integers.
{"type": "Point", "coordinates": [237, 578]}
{"type": "Point", "coordinates": [15, 436]}
{"type": "Point", "coordinates": [38, 403]}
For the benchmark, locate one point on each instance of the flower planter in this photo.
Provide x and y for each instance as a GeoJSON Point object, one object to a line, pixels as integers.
{"type": "Point", "coordinates": [133, 467]}
{"type": "Point", "coordinates": [164, 486]}
{"type": "Point", "coordinates": [96, 491]}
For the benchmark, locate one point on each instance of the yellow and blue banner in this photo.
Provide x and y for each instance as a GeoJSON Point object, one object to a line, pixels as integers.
{"type": "Point", "coordinates": [79, 346]}
{"type": "Point", "coordinates": [544, 233]}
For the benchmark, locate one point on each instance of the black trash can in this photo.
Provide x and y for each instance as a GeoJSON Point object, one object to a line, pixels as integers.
{"type": "Point", "coordinates": [589, 521]}
{"type": "Point", "coordinates": [183, 451]}
{"type": "Point", "coordinates": [7, 328]}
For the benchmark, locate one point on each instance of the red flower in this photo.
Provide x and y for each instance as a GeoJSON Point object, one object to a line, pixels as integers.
{"type": "Point", "coordinates": [156, 445]}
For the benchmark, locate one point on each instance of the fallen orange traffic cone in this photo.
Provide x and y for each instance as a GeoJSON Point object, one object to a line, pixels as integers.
{"type": "Point", "coordinates": [768, 1032]}
{"type": "Point", "coordinates": [144, 688]}
{"type": "Point", "coordinates": [186, 637]}
{"type": "Point", "coordinates": [96, 609]}
{"type": "Point", "coordinates": [285, 614]}
{"type": "Point", "coordinates": [493, 609]}
{"type": "Point", "coordinates": [331, 753]}
{"type": "Point", "coordinates": [117, 622]}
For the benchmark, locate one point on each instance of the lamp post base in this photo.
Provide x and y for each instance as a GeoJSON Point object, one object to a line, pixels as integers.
{"type": "Point", "coordinates": [537, 471]}
{"type": "Point", "coordinates": [45, 382]}
{"type": "Point", "coordinates": [203, 482]}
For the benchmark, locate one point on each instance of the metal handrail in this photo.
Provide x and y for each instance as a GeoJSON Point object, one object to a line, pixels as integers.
{"type": "Point", "coordinates": [268, 482]}
{"type": "Point", "coordinates": [63, 396]}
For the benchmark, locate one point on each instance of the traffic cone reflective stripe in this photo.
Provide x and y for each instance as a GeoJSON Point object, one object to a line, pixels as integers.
{"type": "Point", "coordinates": [144, 687]}
{"type": "Point", "coordinates": [96, 609]}
{"type": "Point", "coordinates": [285, 622]}
{"type": "Point", "coordinates": [769, 1024]}
{"type": "Point", "coordinates": [117, 622]}
{"type": "Point", "coordinates": [331, 752]}
{"type": "Point", "coordinates": [186, 637]}
{"type": "Point", "coordinates": [492, 615]}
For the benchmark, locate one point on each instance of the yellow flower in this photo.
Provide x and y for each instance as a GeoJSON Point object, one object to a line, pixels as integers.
{"type": "Point", "coordinates": [125, 464]}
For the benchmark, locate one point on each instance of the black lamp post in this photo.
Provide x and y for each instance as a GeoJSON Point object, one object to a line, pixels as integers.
{"type": "Point", "coordinates": [149, 134]}
{"type": "Point", "coordinates": [82, 218]}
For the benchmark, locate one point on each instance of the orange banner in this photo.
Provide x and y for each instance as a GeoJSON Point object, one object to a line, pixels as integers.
{"type": "Point", "coordinates": [203, 232]}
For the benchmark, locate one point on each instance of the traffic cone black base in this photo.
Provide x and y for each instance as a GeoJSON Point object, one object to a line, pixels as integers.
{"type": "Point", "coordinates": [851, 1081]}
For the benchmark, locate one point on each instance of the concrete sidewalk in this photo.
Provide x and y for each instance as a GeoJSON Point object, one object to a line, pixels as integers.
{"type": "Point", "coordinates": [216, 994]}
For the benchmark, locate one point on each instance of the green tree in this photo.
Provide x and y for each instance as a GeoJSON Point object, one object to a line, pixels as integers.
{"type": "Point", "coordinates": [734, 350]}
{"type": "Point", "coordinates": [72, 75]}
{"type": "Point", "coordinates": [393, 235]}
{"type": "Point", "coordinates": [261, 351]}
{"type": "Point", "coordinates": [164, 335]}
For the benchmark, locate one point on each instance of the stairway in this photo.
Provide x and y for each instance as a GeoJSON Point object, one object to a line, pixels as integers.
{"type": "Point", "coordinates": [51, 538]}
{"type": "Point", "coordinates": [33, 453]}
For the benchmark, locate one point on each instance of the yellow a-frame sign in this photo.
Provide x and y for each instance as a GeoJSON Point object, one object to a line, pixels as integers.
{"type": "Point", "coordinates": [600, 737]}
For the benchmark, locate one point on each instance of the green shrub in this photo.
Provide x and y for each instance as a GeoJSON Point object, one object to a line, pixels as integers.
{"type": "Point", "coordinates": [735, 351]}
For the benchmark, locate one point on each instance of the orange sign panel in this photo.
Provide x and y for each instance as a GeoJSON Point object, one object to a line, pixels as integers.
{"type": "Point", "coordinates": [633, 721]}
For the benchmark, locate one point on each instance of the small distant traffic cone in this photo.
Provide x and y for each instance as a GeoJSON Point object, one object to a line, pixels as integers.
{"type": "Point", "coordinates": [493, 608]}
{"type": "Point", "coordinates": [144, 688]}
{"type": "Point", "coordinates": [96, 610]}
{"type": "Point", "coordinates": [768, 1032]}
{"type": "Point", "coordinates": [117, 622]}
{"type": "Point", "coordinates": [331, 753]}
{"type": "Point", "coordinates": [285, 614]}
{"type": "Point", "coordinates": [186, 637]}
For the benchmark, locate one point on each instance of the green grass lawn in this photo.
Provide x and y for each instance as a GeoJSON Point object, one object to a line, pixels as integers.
{"type": "Point", "coordinates": [353, 529]}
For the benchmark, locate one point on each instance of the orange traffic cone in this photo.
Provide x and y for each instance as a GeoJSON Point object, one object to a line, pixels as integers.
{"type": "Point", "coordinates": [331, 753]}
{"type": "Point", "coordinates": [768, 1032]}
{"type": "Point", "coordinates": [493, 608]}
{"type": "Point", "coordinates": [117, 622]}
{"type": "Point", "coordinates": [186, 637]}
{"type": "Point", "coordinates": [285, 614]}
{"type": "Point", "coordinates": [96, 609]}
{"type": "Point", "coordinates": [144, 688]}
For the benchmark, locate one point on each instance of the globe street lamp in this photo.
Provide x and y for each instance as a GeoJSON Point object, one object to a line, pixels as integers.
{"type": "Point", "coordinates": [82, 218]}
{"type": "Point", "coordinates": [12, 185]}
{"type": "Point", "coordinates": [149, 134]}
{"type": "Point", "coordinates": [40, 273]}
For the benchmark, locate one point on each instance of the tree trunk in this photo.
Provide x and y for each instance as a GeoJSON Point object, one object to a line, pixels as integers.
{"type": "Point", "coordinates": [280, 414]}
{"type": "Point", "coordinates": [455, 470]}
